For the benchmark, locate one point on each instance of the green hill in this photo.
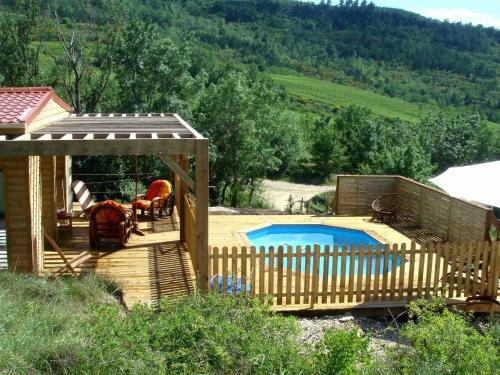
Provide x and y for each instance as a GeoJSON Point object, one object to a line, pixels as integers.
{"type": "Point", "coordinates": [306, 89]}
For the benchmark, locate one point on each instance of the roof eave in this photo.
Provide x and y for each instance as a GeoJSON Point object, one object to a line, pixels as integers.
{"type": "Point", "coordinates": [50, 95]}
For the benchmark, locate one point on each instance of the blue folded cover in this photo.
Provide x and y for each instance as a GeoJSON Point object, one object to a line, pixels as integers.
{"type": "Point", "coordinates": [218, 279]}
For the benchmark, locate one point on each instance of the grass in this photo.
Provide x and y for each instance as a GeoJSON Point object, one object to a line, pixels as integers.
{"type": "Point", "coordinates": [330, 94]}
{"type": "Point", "coordinates": [323, 96]}
{"type": "Point", "coordinates": [74, 326]}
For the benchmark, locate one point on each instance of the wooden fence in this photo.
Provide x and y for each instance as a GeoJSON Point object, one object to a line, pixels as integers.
{"type": "Point", "coordinates": [451, 219]}
{"type": "Point", "coordinates": [312, 276]}
{"type": "Point", "coordinates": [190, 230]}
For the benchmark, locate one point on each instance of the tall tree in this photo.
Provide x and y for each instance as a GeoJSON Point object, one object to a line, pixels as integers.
{"type": "Point", "coordinates": [328, 153]}
{"type": "Point", "coordinates": [456, 139]}
{"type": "Point", "coordinates": [86, 61]}
{"type": "Point", "coordinates": [21, 40]}
{"type": "Point", "coordinates": [240, 119]}
{"type": "Point", "coordinates": [152, 72]}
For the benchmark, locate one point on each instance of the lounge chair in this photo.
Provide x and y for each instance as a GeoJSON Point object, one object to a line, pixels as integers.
{"type": "Point", "coordinates": [84, 196]}
{"type": "Point", "coordinates": [109, 219]}
{"type": "Point", "coordinates": [158, 196]}
{"type": "Point", "coordinates": [384, 208]}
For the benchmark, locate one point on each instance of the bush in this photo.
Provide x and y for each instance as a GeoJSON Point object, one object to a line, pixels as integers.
{"type": "Point", "coordinates": [194, 334]}
{"type": "Point", "coordinates": [128, 189]}
{"type": "Point", "coordinates": [443, 341]}
{"type": "Point", "coordinates": [68, 326]}
{"type": "Point", "coordinates": [320, 203]}
{"type": "Point", "coordinates": [342, 351]}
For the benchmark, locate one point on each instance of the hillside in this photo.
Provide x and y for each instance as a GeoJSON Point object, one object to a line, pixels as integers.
{"type": "Point", "coordinates": [388, 51]}
{"type": "Point", "coordinates": [270, 83]}
{"type": "Point", "coordinates": [324, 94]}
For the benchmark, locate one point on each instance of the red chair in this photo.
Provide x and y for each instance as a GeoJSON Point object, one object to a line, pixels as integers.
{"type": "Point", "coordinates": [109, 219]}
{"type": "Point", "coordinates": [157, 197]}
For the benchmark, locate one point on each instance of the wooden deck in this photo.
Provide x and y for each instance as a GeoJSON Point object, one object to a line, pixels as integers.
{"type": "Point", "coordinates": [158, 265]}
{"type": "Point", "coordinates": [150, 267]}
{"type": "Point", "coordinates": [228, 230]}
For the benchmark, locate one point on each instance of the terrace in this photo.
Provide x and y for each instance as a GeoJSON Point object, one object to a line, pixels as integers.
{"type": "Point", "coordinates": [438, 245]}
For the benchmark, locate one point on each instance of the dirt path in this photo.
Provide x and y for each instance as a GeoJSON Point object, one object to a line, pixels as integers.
{"type": "Point", "coordinates": [277, 192]}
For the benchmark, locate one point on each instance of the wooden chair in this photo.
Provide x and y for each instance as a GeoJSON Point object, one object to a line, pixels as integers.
{"type": "Point", "coordinates": [384, 208]}
{"type": "Point", "coordinates": [84, 196]}
{"type": "Point", "coordinates": [109, 219]}
{"type": "Point", "coordinates": [158, 196]}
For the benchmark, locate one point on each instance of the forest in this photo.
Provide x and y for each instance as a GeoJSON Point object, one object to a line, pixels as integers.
{"type": "Point", "coordinates": [216, 63]}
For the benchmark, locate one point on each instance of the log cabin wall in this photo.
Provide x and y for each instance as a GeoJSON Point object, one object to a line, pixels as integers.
{"type": "Point", "coordinates": [22, 197]}
{"type": "Point", "coordinates": [48, 175]}
{"type": "Point", "coordinates": [35, 212]}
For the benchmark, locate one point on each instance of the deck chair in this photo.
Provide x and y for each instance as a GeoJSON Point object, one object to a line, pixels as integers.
{"type": "Point", "coordinates": [84, 197]}
{"type": "Point", "coordinates": [158, 196]}
{"type": "Point", "coordinates": [109, 219]}
{"type": "Point", "coordinates": [384, 208]}
{"type": "Point", "coordinates": [69, 265]}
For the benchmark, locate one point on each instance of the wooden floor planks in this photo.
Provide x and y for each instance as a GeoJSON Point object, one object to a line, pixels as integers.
{"type": "Point", "coordinates": [156, 265]}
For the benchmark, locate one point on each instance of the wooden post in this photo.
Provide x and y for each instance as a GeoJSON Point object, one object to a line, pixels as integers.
{"type": "Point", "coordinates": [201, 163]}
{"type": "Point", "coordinates": [49, 209]}
{"type": "Point", "coordinates": [183, 190]}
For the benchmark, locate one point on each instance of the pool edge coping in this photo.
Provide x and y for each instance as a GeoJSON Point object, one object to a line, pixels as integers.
{"type": "Point", "coordinates": [242, 233]}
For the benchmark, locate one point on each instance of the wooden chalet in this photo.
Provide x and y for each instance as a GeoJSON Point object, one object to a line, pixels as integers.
{"type": "Point", "coordinates": [38, 136]}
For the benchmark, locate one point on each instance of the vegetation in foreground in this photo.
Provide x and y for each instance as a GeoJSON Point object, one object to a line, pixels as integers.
{"type": "Point", "coordinates": [74, 326]}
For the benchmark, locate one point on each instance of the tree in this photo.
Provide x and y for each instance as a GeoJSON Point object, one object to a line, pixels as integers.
{"type": "Point", "coordinates": [241, 120]}
{"type": "Point", "coordinates": [86, 61]}
{"type": "Point", "coordinates": [21, 40]}
{"type": "Point", "coordinates": [153, 73]}
{"type": "Point", "coordinates": [396, 149]}
{"type": "Point", "coordinates": [355, 131]}
{"type": "Point", "coordinates": [456, 139]}
{"type": "Point", "coordinates": [328, 153]}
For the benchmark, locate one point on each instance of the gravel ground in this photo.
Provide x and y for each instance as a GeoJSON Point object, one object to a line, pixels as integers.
{"type": "Point", "coordinates": [277, 192]}
{"type": "Point", "coordinates": [217, 210]}
{"type": "Point", "coordinates": [383, 332]}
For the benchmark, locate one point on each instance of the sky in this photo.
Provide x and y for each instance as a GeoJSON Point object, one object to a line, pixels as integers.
{"type": "Point", "coordinates": [484, 12]}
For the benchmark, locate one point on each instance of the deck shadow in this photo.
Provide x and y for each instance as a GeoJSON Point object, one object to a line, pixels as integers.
{"type": "Point", "coordinates": [169, 270]}
{"type": "Point", "coordinates": [411, 230]}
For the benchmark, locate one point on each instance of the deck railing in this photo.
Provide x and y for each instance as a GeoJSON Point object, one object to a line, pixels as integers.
{"type": "Point", "coordinates": [312, 275]}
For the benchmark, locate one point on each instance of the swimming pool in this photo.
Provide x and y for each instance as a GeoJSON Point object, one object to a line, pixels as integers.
{"type": "Point", "coordinates": [308, 234]}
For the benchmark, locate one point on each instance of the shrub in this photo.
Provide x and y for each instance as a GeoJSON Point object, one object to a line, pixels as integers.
{"type": "Point", "coordinates": [67, 326]}
{"type": "Point", "coordinates": [128, 189]}
{"type": "Point", "coordinates": [320, 203]}
{"type": "Point", "coordinates": [342, 351]}
{"type": "Point", "coordinates": [442, 341]}
{"type": "Point", "coordinates": [194, 334]}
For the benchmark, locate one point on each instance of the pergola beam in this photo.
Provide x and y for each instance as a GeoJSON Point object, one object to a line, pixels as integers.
{"type": "Point", "coordinates": [24, 145]}
{"type": "Point", "coordinates": [174, 166]}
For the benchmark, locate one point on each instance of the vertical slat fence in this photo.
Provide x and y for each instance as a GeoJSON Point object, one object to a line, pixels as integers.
{"type": "Point", "coordinates": [309, 276]}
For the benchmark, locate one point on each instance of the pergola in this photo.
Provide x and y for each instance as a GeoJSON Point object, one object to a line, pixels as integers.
{"type": "Point", "coordinates": [166, 135]}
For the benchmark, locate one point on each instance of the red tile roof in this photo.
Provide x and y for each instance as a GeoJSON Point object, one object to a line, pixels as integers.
{"type": "Point", "coordinates": [22, 104]}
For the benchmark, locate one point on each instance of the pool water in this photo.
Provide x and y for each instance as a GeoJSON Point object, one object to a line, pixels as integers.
{"type": "Point", "coordinates": [308, 234]}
